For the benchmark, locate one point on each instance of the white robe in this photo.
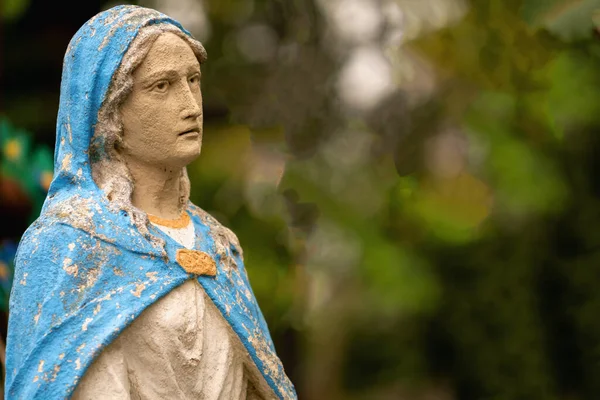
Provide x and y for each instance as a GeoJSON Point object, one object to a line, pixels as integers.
{"type": "Point", "coordinates": [180, 347]}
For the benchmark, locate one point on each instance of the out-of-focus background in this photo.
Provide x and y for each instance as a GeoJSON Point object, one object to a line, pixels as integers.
{"type": "Point", "coordinates": [413, 182]}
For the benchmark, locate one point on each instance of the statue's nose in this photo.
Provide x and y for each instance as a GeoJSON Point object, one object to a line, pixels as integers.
{"type": "Point", "coordinates": [189, 106]}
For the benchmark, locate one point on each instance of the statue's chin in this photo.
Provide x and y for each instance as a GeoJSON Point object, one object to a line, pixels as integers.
{"type": "Point", "coordinates": [186, 152]}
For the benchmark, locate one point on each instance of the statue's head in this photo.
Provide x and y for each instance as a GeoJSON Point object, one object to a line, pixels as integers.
{"type": "Point", "coordinates": [162, 115]}
{"type": "Point", "coordinates": [152, 114]}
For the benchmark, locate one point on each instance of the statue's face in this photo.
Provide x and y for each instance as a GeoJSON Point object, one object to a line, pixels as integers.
{"type": "Point", "coordinates": [162, 116]}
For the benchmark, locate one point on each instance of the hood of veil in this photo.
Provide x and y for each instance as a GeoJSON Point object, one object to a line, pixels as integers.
{"type": "Point", "coordinates": [90, 63]}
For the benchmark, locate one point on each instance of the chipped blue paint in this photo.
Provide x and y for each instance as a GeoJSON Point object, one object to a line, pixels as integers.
{"type": "Point", "coordinates": [84, 272]}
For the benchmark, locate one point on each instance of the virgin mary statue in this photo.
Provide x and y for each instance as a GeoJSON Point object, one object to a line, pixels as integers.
{"type": "Point", "coordinates": [123, 288]}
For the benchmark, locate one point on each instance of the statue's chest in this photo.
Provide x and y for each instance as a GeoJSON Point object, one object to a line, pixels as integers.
{"type": "Point", "coordinates": [184, 328]}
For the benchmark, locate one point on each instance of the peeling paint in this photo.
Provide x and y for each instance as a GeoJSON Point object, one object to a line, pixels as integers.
{"type": "Point", "coordinates": [139, 288]}
{"type": "Point", "coordinates": [71, 269]}
{"type": "Point", "coordinates": [37, 316]}
{"type": "Point", "coordinates": [68, 126]}
{"type": "Point", "coordinates": [152, 276]}
{"type": "Point", "coordinates": [66, 162]}
{"type": "Point", "coordinates": [86, 323]}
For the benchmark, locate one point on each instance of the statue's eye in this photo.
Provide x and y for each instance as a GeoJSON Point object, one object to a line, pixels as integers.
{"type": "Point", "coordinates": [195, 79]}
{"type": "Point", "coordinates": [161, 86]}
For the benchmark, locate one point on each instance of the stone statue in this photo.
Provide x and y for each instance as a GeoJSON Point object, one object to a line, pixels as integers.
{"type": "Point", "coordinates": [123, 288]}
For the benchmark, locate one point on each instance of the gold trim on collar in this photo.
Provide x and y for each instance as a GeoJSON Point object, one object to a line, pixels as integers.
{"type": "Point", "coordinates": [178, 223]}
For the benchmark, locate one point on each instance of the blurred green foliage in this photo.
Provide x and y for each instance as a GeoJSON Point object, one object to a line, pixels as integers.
{"type": "Point", "coordinates": [407, 287]}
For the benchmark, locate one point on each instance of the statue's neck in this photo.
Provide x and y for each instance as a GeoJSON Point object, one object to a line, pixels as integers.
{"type": "Point", "coordinates": [157, 189]}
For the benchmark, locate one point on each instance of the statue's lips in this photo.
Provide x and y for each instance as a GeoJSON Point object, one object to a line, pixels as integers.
{"type": "Point", "coordinates": [190, 132]}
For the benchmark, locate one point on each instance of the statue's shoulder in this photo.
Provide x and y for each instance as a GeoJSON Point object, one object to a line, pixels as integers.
{"type": "Point", "coordinates": [44, 249]}
{"type": "Point", "coordinates": [219, 232]}
{"type": "Point", "coordinates": [45, 231]}
{"type": "Point", "coordinates": [64, 229]}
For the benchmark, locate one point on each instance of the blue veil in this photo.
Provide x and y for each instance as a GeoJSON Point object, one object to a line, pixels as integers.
{"type": "Point", "coordinates": [83, 271]}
